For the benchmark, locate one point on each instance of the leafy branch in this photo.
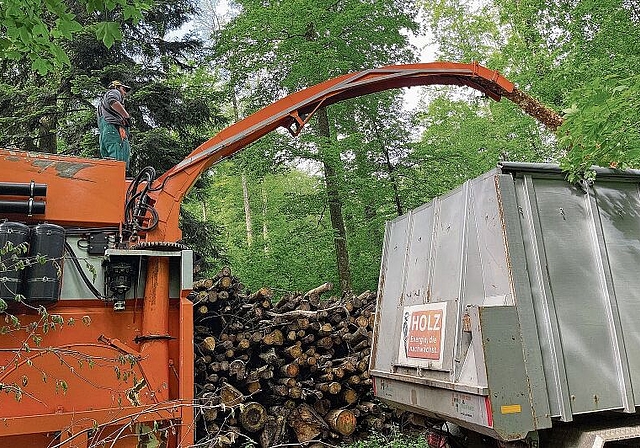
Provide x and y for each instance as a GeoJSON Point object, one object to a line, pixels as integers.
{"type": "Point", "coordinates": [37, 33]}
{"type": "Point", "coordinates": [29, 336]}
{"type": "Point", "coordinates": [602, 126]}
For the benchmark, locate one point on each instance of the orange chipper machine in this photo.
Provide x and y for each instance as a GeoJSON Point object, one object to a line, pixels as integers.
{"type": "Point", "coordinates": [98, 348]}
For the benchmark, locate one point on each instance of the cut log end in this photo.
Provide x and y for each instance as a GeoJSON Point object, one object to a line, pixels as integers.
{"type": "Point", "coordinates": [343, 421]}
{"type": "Point", "coordinates": [208, 344]}
{"type": "Point", "coordinates": [253, 416]}
{"type": "Point", "coordinates": [306, 423]}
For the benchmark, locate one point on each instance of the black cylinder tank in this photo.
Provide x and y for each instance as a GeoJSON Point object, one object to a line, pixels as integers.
{"type": "Point", "coordinates": [11, 234]}
{"type": "Point", "coordinates": [43, 280]}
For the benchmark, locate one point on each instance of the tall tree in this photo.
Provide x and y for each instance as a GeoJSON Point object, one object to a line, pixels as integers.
{"type": "Point", "coordinates": [462, 140]}
{"type": "Point", "coordinates": [374, 143]}
{"type": "Point", "coordinates": [586, 67]}
{"type": "Point", "coordinates": [299, 254]}
{"type": "Point", "coordinates": [175, 104]}
{"type": "Point", "coordinates": [56, 113]}
{"type": "Point", "coordinates": [287, 45]}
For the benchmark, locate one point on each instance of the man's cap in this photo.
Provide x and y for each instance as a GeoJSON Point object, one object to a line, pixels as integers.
{"type": "Point", "coordinates": [116, 84]}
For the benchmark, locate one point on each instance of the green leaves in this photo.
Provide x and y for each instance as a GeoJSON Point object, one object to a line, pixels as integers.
{"type": "Point", "coordinates": [62, 387]}
{"type": "Point", "coordinates": [37, 33]}
{"type": "Point", "coordinates": [108, 33]}
{"type": "Point", "coordinates": [299, 44]}
{"type": "Point", "coordinates": [293, 240]}
{"type": "Point", "coordinates": [66, 28]}
{"type": "Point", "coordinates": [602, 127]}
{"type": "Point", "coordinates": [13, 320]}
{"type": "Point", "coordinates": [303, 43]}
{"type": "Point", "coordinates": [132, 9]}
{"type": "Point", "coordinates": [586, 67]}
{"type": "Point", "coordinates": [28, 35]}
{"type": "Point", "coordinates": [57, 7]}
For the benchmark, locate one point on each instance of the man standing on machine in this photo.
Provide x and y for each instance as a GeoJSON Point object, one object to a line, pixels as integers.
{"type": "Point", "coordinates": [114, 123]}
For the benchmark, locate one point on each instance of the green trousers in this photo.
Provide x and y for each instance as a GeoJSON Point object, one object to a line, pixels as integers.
{"type": "Point", "coordinates": [112, 145]}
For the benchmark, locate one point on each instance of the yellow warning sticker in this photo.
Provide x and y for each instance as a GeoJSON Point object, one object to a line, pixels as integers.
{"type": "Point", "coordinates": [511, 409]}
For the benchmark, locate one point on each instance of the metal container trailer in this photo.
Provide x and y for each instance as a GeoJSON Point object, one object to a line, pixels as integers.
{"type": "Point", "coordinates": [509, 306]}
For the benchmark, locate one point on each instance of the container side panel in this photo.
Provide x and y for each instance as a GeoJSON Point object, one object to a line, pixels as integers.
{"type": "Point", "coordinates": [389, 315]}
{"type": "Point", "coordinates": [619, 206]}
{"type": "Point", "coordinates": [473, 291]}
{"type": "Point", "coordinates": [466, 409]}
{"type": "Point", "coordinates": [516, 218]}
{"type": "Point", "coordinates": [487, 276]}
{"type": "Point", "coordinates": [447, 257]}
{"type": "Point", "coordinates": [579, 295]}
{"type": "Point", "coordinates": [534, 299]}
{"type": "Point", "coordinates": [417, 274]}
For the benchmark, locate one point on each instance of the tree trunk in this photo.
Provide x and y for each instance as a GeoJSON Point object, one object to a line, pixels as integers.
{"type": "Point", "coordinates": [335, 207]}
{"type": "Point", "coordinates": [265, 234]}
{"type": "Point", "coordinates": [204, 210]}
{"type": "Point", "coordinates": [47, 132]}
{"type": "Point", "coordinates": [391, 170]}
{"type": "Point", "coordinates": [245, 188]}
{"type": "Point", "coordinates": [247, 210]}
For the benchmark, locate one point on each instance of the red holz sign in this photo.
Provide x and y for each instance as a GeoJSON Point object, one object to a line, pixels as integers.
{"type": "Point", "coordinates": [424, 336]}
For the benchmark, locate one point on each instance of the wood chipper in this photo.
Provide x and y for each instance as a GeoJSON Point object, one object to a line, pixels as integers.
{"type": "Point", "coordinates": [97, 344]}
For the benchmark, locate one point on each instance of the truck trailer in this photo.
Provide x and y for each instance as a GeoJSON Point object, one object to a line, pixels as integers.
{"type": "Point", "coordinates": [509, 308]}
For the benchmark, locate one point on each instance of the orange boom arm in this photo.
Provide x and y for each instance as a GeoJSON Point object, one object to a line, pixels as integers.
{"type": "Point", "coordinates": [294, 112]}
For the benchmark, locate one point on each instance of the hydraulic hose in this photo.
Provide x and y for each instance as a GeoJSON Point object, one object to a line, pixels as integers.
{"type": "Point", "coordinates": [83, 275]}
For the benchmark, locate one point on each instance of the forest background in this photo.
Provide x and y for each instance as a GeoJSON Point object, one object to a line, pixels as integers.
{"type": "Point", "coordinates": [292, 214]}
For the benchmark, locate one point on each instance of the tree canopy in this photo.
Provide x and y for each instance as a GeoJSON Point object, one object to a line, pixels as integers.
{"type": "Point", "coordinates": [577, 57]}
{"type": "Point", "coordinates": [292, 213]}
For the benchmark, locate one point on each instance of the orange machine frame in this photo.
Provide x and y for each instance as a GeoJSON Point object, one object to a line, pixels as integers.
{"type": "Point", "coordinates": [87, 193]}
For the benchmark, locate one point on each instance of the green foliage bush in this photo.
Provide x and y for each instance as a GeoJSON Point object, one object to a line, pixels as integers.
{"type": "Point", "coordinates": [394, 440]}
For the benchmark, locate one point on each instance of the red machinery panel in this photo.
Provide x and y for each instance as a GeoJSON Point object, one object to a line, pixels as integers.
{"type": "Point", "coordinates": [80, 191]}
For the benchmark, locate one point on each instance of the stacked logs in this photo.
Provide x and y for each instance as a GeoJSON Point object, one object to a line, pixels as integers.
{"type": "Point", "coordinates": [291, 371]}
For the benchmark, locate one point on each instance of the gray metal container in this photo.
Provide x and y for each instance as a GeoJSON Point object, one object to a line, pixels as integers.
{"type": "Point", "coordinates": [512, 302]}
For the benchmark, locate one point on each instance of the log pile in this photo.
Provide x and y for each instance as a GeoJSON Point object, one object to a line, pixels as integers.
{"type": "Point", "coordinates": [291, 371]}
